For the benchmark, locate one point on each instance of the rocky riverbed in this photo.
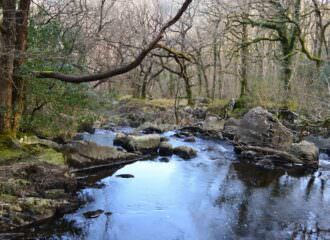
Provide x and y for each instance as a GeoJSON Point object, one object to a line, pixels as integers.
{"type": "Point", "coordinates": [236, 199]}
{"type": "Point", "coordinates": [256, 153]}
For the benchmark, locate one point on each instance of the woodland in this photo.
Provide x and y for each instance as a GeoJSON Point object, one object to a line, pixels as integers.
{"type": "Point", "coordinates": [238, 90]}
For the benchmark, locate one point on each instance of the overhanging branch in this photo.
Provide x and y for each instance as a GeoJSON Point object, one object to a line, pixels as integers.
{"type": "Point", "coordinates": [120, 70]}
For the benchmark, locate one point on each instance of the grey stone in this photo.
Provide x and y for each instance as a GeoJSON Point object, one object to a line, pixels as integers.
{"type": "Point", "coordinates": [165, 149]}
{"type": "Point", "coordinates": [185, 152]}
{"type": "Point", "coordinates": [305, 151]}
{"type": "Point", "coordinates": [260, 128]}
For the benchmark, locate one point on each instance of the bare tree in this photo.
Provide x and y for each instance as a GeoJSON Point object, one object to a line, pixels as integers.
{"type": "Point", "coordinates": [123, 69]}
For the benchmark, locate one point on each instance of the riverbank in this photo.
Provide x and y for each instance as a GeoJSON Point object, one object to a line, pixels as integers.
{"type": "Point", "coordinates": [35, 184]}
{"type": "Point", "coordinates": [168, 198]}
{"type": "Point", "coordinates": [39, 178]}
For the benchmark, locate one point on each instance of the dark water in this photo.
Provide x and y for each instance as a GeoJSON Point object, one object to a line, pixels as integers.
{"type": "Point", "coordinates": [208, 198]}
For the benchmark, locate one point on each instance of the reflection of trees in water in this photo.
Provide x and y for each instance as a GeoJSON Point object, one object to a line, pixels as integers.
{"type": "Point", "coordinates": [257, 199]}
{"type": "Point", "coordinates": [235, 199]}
{"type": "Point", "coordinates": [311, 186]}
{"type": "Point", "coordinates": [253, 176]}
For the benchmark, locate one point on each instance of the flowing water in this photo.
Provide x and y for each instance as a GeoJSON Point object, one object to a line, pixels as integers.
{"type": "Point", "coordinates": [211, 197]}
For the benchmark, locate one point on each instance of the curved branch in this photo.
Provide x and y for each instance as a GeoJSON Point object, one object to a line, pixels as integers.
{"type": "Point", "coordinates": [176, 53]}
{"type": "Point", "coordinates": [307, 53]}
{"type": "Point", "coordinates": [124, 69]}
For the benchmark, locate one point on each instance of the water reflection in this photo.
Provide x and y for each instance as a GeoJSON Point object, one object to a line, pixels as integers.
{"type": "Point", "coordinates": [254, 176]}
{"type": "Point", "coordinates": [211, 197]}
{"type": "Point", "coordinates": [272, 204]}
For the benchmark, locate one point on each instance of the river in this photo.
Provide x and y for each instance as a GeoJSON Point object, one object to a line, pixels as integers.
{"type": "Point", "coordinates": [210, 197]}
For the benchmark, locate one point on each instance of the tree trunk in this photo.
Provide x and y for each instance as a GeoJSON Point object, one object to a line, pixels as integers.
{"type": "Point", "coordinates": [187, 83]}
{"type": "Point", "coordinates": [199, 76]}
{"type": "Point", "coordinates": [207, 89]}
{"type": "Point", "coordinates": [188, 90]}
{"type": "Point", "coordinates": [21, 45]}
{"type": "Point", "coordinates": [215, 59]}
{"type": "Point", "coordinates": [286, 73]}
{"type": "Point", "coordinates": [220, 73]}
{"type": "Point", "coordinates": [203, 74]}
{"type": "Point", "coordinates": [7, 43]}
{"type": "Point", "coordinates": [199, 71]}
{"type": "Point", "coordinates": [143, 94]}
{"type": "Point", "coordinates": [244, 61]}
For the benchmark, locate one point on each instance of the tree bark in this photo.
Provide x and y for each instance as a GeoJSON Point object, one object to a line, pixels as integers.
{"type": "Point", "coordinates": [21, 45]}
{"type": "Point", "coordinates": [204, 74]}
{"type": "Point", "coordinates": [215, 59]}
{"type": "Point", "coordinates": [7, 43]}
{"type": "Point", "coordinates": [286, 72]}
{"type": "Point", "coordinates": [244, 61]}
{"type": "Point", "coordinates": [220, 73]}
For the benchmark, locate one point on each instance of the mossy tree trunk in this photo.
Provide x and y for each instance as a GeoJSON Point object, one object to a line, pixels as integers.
{"type": "Point", "coordinates": [21, 45]}
{"type": "Point", "coordinates": [286, 24]}
{"type": "Point", "coordinates": [244, 60]}
{"type": "Point", "coordinates": [13, 42]}
{"type": "Point", "coordinates": [7, 43]}
{"type": "Point", "coordinates": [215, 50]}
{"type": "Point", "coordinates": [286, 72]}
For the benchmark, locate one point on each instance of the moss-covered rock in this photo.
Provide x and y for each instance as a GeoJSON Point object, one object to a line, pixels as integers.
{"type": "Point", "coordinates": [146, 144]}
{"type": "Point", "coordinates": [185, 152]}
{"type": "Point", "coordinates": [82, 154]}
{"type": "Point", "coordinates": [17, 212]}
{"type": "Point", "coordinates": [34, 191]}
{"type": "Point", "coordinates": [51, 156]}
{"type": "Point", "coordinates": [13, 186]}
{"type": "Point", "coordinates": [10, 149]}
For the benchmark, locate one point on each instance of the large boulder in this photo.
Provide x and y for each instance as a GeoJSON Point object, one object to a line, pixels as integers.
{"type": "Point", "coordinates": [306, 152]}
{"type": "Point", "coordinates": [263, 140]}
{"type": "Point", "coordinates": [230, 129]}
{"type": "Point", "coordinates": [260, 128]}
{"type": "Point", "coordinates": [82, 154]}
{"type": "Point", "coordinates": [185, 152]}
{"type": "Point", "coordinates": [148, 143]}
{"type": "Point", "coordinates": [121, 139]}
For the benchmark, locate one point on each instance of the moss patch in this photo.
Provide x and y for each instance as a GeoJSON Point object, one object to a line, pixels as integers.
{"type": "Point", "coordinates": [8, 150]}
{"type": "Point", "coordinates": [6, 198]}
{"type": "Point", "coordinates": [51, 156]}
{"type": "Point", "coordinates": [7, 154]}
{"type": "Point", "coordinates": [13, 186]}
